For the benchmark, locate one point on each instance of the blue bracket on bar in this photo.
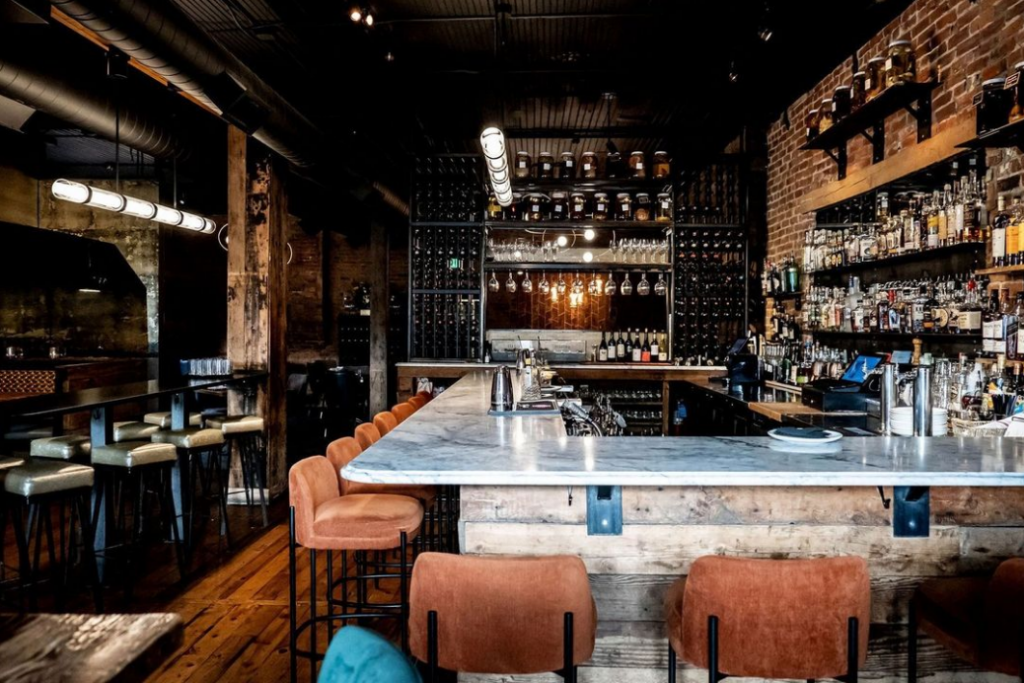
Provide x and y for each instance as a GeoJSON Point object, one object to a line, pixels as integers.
{"type": "Point", "coordinates": [911, 517]}
{"type": "Point", "coordinates": [604, 510]}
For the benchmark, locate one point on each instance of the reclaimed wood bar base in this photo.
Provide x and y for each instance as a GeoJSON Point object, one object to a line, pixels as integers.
{"type": "Point", "coordinates": [666, 528]}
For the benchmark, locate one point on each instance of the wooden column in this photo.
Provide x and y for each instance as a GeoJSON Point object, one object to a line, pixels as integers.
{"type": "Point", "coordinates": [378, 318]}
{"type": "Point", "coordinates": [257, 288]}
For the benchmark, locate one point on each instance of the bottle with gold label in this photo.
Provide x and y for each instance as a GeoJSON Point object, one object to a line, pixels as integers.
{"type": "Point", "coordinates": [1016, 228]}
{"type": "Point", "coordinates": [1012, 257]}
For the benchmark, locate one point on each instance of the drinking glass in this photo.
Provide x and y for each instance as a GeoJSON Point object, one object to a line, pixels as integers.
{"type": "Point", "coordinates": [510, 284]}
{"type": "Point", "coordinates": [543, 285]}
{"type": "Point", "coordinates": [610, 288]}
{"type": "Point", "coordinates": [627, 286]}
{"type": "Point", "coordinates": [643, 288]}
{"type": "Point", "coordinates": [527, 284]}
{"type": "Point", "coordinates": [493, 285]}
{"type": "Point", "coordinates": [561, 286]}
{"type": "Point", "coordinates": [661, 287]}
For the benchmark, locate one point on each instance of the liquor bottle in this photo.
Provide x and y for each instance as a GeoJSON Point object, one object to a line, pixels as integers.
{"type": "Point", "coordinates": [1011, 324]}
{"type": "Point", "coordinates": [999, 224]}
{"type": "Point", "coordinates": [969, 318]}
{"type": "Point", "coordinates": [637, 351]}
{"type": "Point", "coordinates": [932, 213]}
{"type": "Point", "coordinates": [1016, 227]}
{"type": "Point", "coordinates": [627, 350]}
{"type": "Point", "coordinates": [991, 326]}
{"type": "Point", "coordinates": [620, 349]}
{"type": "Point", "coordinates": [645, 350]}
{"type": "Point", "coordinates": [602, 350]}
{"type": "Point", "coordinates": [655, 348]}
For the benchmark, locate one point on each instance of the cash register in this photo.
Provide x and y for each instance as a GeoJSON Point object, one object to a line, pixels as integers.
{"type": "Point", "coordinates": [743, 368]}
{"type": "Point", "coordinates": [850, 392]}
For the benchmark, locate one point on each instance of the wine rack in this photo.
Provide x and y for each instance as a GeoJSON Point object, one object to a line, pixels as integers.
{"type": "Point", "coordinates": [445, 259]}
{"type": "Point", "coordinates": [710, 195]}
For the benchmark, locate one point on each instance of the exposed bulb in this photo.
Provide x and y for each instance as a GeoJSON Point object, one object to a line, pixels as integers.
{"type": "Point", "coordinates": [588, 256]}
{"type": "Point", "coordinates": [356, 16]}
{"type": "Point", "coordinates": [562, 240]}
{"type": "Point", "coordinates": [369, 19]}
{"type": "Point", "coordinates": [588, 234]}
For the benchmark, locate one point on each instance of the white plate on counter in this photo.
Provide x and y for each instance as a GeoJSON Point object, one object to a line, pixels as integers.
{"type": "Point", "coordinates": [828, 436]}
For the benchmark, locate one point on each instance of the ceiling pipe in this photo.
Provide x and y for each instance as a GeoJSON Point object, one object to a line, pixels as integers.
{"type": "Point", "coordinates": [83, 107]}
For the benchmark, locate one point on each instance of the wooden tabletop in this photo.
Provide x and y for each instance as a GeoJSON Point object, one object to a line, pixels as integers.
{"type": "Point", "coordinates": [85, 648]}
{"type": "Point", "coordinates": [777, 410]}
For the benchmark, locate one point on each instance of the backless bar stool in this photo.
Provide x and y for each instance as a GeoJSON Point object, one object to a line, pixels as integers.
{"type": "Point", "coordinates": [322, 519]}
{"type": "Point", "coordinates": [979, 619]}
{"type": "Point", "coordinates": [66, 448]}
{"type": "Point", "coordinates": [246, 433]}
{"type": "Point", "coordinates": [163, 419]}
{"type": "Point", "coordinates": [800, 619]}
{"type": "Point", "coordinates": [133, 431]}
{"type": "Point", "coordinates": [403, 411]}
{"type": "Point", "coordinates": [384, 422]}
{"type": "Point", "coordinates": [40, 484]}
{"type": "Point", "coordinates": [200, 452]}
{"type": "Point", "coordinates": [501, 614]}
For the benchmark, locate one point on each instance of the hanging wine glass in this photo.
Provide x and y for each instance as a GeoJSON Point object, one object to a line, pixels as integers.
{"type": "Point", "coordinates": [627, 286]}
{"type": "Point", "coordinates": [577, 285]}
{"type": "Point", "coordinates": [543, 285]}
{"type": "Point", "coordinates": [510, 284]}
{"type": "Point", "coordinates": [493, 285]}
{"type": "Point", "coordinates": [643, 288]}
{"type": "Point", "coordinates": [527, 284]}
{"type": "Point", "coordinates": [561, 286]}
{"type": "Point", "coordinates": [595, 287]}
{"type": "Point", "coordinates": [610, 287]}
{"type": "Point", "coordinates": [660, 287]}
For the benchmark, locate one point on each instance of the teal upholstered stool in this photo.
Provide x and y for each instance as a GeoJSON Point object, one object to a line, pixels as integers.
{"type": "Point", "coordinates": [357, 655]}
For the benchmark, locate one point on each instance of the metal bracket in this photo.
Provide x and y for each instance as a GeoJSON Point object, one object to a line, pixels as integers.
{"type": "Point", "coordinates": [877, 139]}
{"type": "Point", "coordinates": [101, 430]}
{"type": "Point", "coordinates": [886, 502]}
{"type": "Point", "coordinates": [604, 510]}
{"type": "Point", "coordinates": [839, 156]}
{"type": "Point", "coordinates": [912, 515]}
{"type": "Point", "coordinates": [923, 114]}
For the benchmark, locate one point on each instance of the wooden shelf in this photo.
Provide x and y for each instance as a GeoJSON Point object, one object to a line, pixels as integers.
{"type": "Point", "coordinates": [903, 259]}
{"type": "Point", "coordinates": [926, 336]}
{"type": "Point", "coordinates": [785, 296]}
{"type": "Point", "coordinates": [1002, 270]}
{"type": "Point", "coordinates": [869, 121]}
{"type": "Point", "coordinates": [577, 225]}
{"type": "Point", "coordinates": [1010, 135]}
{"type": "Point", "coordinates": [582, 185]}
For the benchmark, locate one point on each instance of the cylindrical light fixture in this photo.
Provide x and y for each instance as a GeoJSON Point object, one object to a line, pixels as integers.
{"type": "Point", "coordinates": [492, 140]}
{"type": "Point", "coordinates": [105, 199]}
{"type": "Point", "coordinates": [139, 208]}
{"type": "Point", "coordinates": [77, 193]}
{"type": "Point", "coordinates": [70, 191]}
{"type": "Point", "coordinates": [165, 214]}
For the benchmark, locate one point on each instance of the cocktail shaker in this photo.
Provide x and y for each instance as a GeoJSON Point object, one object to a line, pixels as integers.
{"type": "Point", "coordinates": [501, 390]}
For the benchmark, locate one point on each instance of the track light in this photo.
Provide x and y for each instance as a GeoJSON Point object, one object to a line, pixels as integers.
{"type": "Point", "coordinates": [765, 33]}
{"type": "Point", "coordinates": [77, 193]}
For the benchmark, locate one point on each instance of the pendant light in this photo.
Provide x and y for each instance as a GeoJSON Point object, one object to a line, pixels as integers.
{"type": "Point", "coordinates": [492, 140]}
{"type": "Point", "coordinates": [79, 193]}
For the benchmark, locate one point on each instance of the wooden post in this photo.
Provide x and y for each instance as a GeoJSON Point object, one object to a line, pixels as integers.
{"type": "Point", "coordinates": [257, 289]}
{"type": "Point", "coordinates": [378, 318]}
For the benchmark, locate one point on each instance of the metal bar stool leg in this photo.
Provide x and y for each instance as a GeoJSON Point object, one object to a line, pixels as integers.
{"type": "Point", "coordinates": [292, 597]}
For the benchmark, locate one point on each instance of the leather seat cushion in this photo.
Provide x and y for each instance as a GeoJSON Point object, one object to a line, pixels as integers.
{"type": "Point", "coordinates": [365, 522]}
{"type": "Point", "coordinates": [163, 419]}
{"type": "Point", "coordinates": [237, 424]}
{"type": "Point", "coordinates": [134, 454]}
{"type": "Point", "coordinates": [133, 431]}
{"type": "Point", "coordinates": [39, 477]}
{"type": "Point", "coordinates": [61, 448]}
{"type": "Point", "coordinates": [192, 437]}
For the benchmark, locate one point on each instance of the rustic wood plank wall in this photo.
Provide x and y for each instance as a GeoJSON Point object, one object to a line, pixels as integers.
{"type": "Point", "coordinates": [666, 529]}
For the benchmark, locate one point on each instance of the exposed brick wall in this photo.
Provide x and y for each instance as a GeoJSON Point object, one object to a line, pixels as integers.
{"type": "Point", "coordinates": [961, 42]}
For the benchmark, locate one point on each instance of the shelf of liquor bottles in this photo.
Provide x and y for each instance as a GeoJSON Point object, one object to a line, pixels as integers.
{"type": "Point", "coordinates": [939, 254]}
{"type": "Point", "coordinates": [951, 337]}
{"type": "Point", "coordinates": [1009, 135]}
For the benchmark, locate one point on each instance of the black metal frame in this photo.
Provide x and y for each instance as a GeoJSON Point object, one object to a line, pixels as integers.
{"type": "Point", "coordinates": [364, 608]}
{"type": "Point", "coordinates": [714, 675]}
{"type": "Point", "coordinates": [568, 672]}
{"type": "Point", "coordinates": [252, 457]}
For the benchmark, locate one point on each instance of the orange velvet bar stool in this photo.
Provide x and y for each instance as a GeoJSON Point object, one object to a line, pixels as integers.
{"type": "Point", "coordinates": [385, 422]}
{"type": "Point", "coordinates": [403, 411]}
{"type": "Point", "coordinates": [800, 619]}
{"type": "Point", "coordinates": [321, 519]}
{"type": "Point", "coordinates": [980, 620]}
{"type": "Point", "coordinates": [367, 435]}
{"type": "Point", "coordinates": [513, 615]}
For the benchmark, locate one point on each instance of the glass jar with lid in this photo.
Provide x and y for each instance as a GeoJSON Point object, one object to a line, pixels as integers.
{"type": "Point", "coordinates": [644, 208]}
{"type": "Point", "coordinates": [825, 116]}
{"type": "Point", "coordinates": [663, 209]}
{"type": "Point", "coordinates": [637, 169]}
{"type": "Point", "coordinates": [567, 165]}
{"type": "Point", "coordinates": [613, 167]}
{"type": "Point", "coordinates": [858, 90]}
{"type": "Point", "coordinates": [578, 206]}
{"type": "Point", "coordinates": [494, 209]}
{"type": "Point", "coordinates": [559, 205]}
{"type": "Point", "coordinates": [514, 211]}
{"type": "Point", "coordinates": [545, 166]}
{"type": "Point", "coordinates": [901, 64]}
{"type": "Point", "coordinates": [523, 165]}
{"type": "Point", "coordinates": [841, 103]}
{"type": "Point", "coordinates": [537, 208]}
{"type": "Point", "coordinates": [588, 166]}
{"type": "Point", "coordinates": [874, 84]}
{"type": "Point", "coordinates": [1017, 110]}
{"type": "Point", "coordinates": [602, 206]}
{"type": "Point", "coordinates": [993, 105]}
{"type": "Point", "coordinates": [811, 122]}
{"type": "Point", "coordinates": [661, 168]}
{"type": "Point", "coordinates": [623, 207]}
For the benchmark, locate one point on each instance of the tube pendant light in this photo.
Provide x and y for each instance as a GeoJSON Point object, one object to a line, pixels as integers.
{"type": "Point", "coordinates": [78, 193]}
{"type": "Point", "coordinates": [492, 140]}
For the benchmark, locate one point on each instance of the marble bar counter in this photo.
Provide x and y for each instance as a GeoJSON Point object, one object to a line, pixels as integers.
{"type": "Point", "coordinates": [526, 488]}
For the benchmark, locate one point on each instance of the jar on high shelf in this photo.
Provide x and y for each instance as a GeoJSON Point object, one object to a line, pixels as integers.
{"type": "Point", "coordinates": [663, 209]}
{"type": "Point", "coordinates": [523, 165]}
{"type": "Point", "coordinates": [901, 64]}
{"type": "Point", "coordinates": [841, 103]}
{"type": "Point", "coordinates": [545, 166]}
{"type": "Point", "coordinates": [811, 122]}
{"type": "Point", "coordinates": [537, 208]}
{"type": "Point", "coordinates": [661, 168]}
{"type": "Point", "coordinates": [623, 207]}
{"type": "Point", "coordinates": [588, 166]}
{"type": "Point", "coordinates": [613, 166]}
{"type": "Point", "coordinates": [494, 209]}
{"type": "Point", "coordinates": [858, 91]}
{"type": "Point", "coordinates": [993, 104]}
{"type": "Point", "coordinates": [874, 84]}
{"type": "Point", "coordinates": [567, 166]}
{"type": "Point", "coordinates": [578, 206]}
{"type": "Point", "coordinates": [1017, 110]}
{"type": "Point", "coordinates": [825, 120]}
{"type": "Point", "coordinates": [644, 208]}
{"type": "Point", "coordinates": [559, 205]}
{"type": "Point", "coordinates": [514, 211]}
{"type": "Point", "coordinates": [637, 168]}
{"type": "Point", "coordinates": [601, 206]}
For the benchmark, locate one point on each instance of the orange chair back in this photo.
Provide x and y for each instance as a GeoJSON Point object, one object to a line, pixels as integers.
{"type": "Point", "coordinates": [311, 483]}
{"type": "Point", "coordinates": [341, 452]}
{"type": "Point", "coordinates": [367, 435]}
{"type": "Point", "coordinates": [776, 618]}
{"type": "Point", "coordinates": [403, 411]}
{"type": "Point", "coordinates": [418, 401]}
{"type": "Point", "coordinates": [384, 422]}
{"type": "Point", "coordinates": [501, 614]}
{"type": "Point", "coordinates": [427, 396]}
